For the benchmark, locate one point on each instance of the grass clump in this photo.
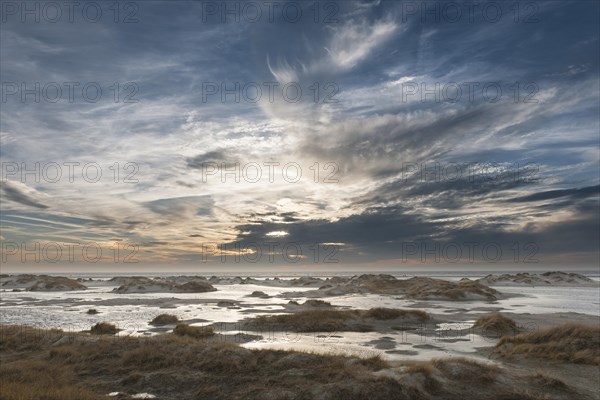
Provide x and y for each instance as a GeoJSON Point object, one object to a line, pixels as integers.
{"type": "Point", "coordinates": [547, 381]}
{"type": "Point", "coordinates": [104, 328]}
{"type": "Point", "coordinates": [331, 320]}
{"type": "Point", "coordinates": [496, 324]}
{"type": "Point", "coordinates": [576, 343]}
{"type": "Point", "coordinates": [383, 314]}
{"type": "Point", "coordinates": [310, 320]}
{"type": "Point", "coordinates": [464, 369]}
{"type": "Point", "coordinates": [198, 332]}
{"type": "Point", "coordinates": [164, 319]}
{"type": "Point", "coordinates": [317, 303]}
{"type": "Point", "coordinates": [39, 379]}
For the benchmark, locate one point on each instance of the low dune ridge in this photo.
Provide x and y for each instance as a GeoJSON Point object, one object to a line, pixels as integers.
{"type": "Point", "coordinates": [147, 285]}
{"type": "Point", "coordinates": [164, 319]}
{"type": "Point", "coordinates": [42, 283]}
{"type": "Point", "coordinates": [259, 294]}
{"type": "Point", "coordinates": [274, 282]}
{"type": "Point", "coordinates": [198, 332]}
{"type": "Point", "coordinates": [418, 288]}
{"type": "Point", "coordinates": [554, 278]}
{"type": "Point", "coordinates": [104, 328]}
{"type": "Point", "coordinates": [576, 343]}
{"type": "Point", "coordinates": [181, 367]}
{"type": "Point", "coordinates": [332, 320]}
{"type": "Point", "coordinates": [495, 324]}
{"type": "Point", "coordinates": [316, 303]}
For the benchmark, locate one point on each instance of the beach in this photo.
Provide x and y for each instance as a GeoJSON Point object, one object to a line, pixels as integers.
{"type": "Point", "coordinates": [363, 317]}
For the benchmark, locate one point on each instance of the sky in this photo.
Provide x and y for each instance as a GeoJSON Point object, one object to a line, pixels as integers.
{"type": "Point", "coordinates": [299, 134]}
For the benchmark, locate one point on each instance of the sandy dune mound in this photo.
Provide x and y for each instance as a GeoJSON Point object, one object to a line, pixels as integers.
{"type": "Point", "coordinates": [259, 294]}
{"type": "Point", "coordinates": [491, 325]}
{"type": "Point", "coordinates": [275, 282]}
{"type": "Point", "coordinates": [147, 285]}
{"type": "Point", "coordinates": [556, 278]}
{"type": "Point", "coordinates": [418, 288]}
{"type": "Point", "coordinates": [41, 283]}
{"type": "Point", "coordinates": [331, 320]}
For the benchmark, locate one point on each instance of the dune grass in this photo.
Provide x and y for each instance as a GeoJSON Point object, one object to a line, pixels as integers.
{"type": "Point", "coordinates": [576, 343]}
{"type": "Point", "coordinates": [309, 320]}
{"type": "Point", "coordinates": [40, 365]}
{"type": "Point", "coordinates": [317, 303]}
{"type": "Point", "coordinates": [40, 379]}
{"type": "Point", "coordinates": [384, 314]}
{"type": "Point", "coordinates": [164, 319]}
{"type": "Point", "coordinates": [198, 332]}
{"type": "Point", "coordinates": [331, 320]}
{"type": "Point", "coordinates": [496, 325]}
{"type": "Point", "coordinates": [174, 366]}
{"type": "Point", "coordinates": [104, 328]}
{"type": "Point", "coordinates": [479, 377]}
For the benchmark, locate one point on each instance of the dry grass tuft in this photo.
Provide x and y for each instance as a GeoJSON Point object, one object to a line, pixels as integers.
{"type": "Point", "coordinates": [39, 379]}
{"type": "Point", "coordinates": [164, 319]}
{"type": "Point", "coordinates": [330, 320]}
{"type": "Point", "coordinates": [317, 303]}
{"type": "Point", "coordinates": [198, 332]}
{"type": "Point", "coordinates": [24, 338]}
{"type": "Point", "coordinates": [574, 343]}
{"type": "Point", "coordinates": [547, 381]}
{"type": "Point", "coordinates": [465, 369]}
{"type": "Point", "coordinates": [309, 321]}
{"type": "Point", "coordinates": [384, 314]}
{"type": "Point", "coordinates": [104, 328]}
{"type": "Point", "coordinates": [496, 325]}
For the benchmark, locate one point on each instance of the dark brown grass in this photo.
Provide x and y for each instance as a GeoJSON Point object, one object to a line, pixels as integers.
{"type": "Point", "coordinates": [330, 320]}
{"type": "Point", "coordinates": [104, 328]}
{"type": "Point", "coordinates": [36, 366]}
{"type": "Point", "coordinates": [384, 314]}
{"type": "Point", "coordinates": [576, 343]}
{"type": "Point", "coordinates": [39, 379]}
{"type": "Point", "coordinates": [496, 325]}
{"type": "Point", "coordinates": [198, 332]}
{"type": "Point", "coordinates": [164, 319]}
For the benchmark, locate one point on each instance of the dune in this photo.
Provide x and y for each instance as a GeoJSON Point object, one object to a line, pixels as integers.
{"type": "Point", "coordinates": [146, 285]}
{"type": "Point", "coordinates": [555, 278]}
{"type": "Point", "coordinates": [259, 294]}
{"type": "Point", "coordinates": [324, 319]}
{"type": "Point", "coordinates": [164, 319]}
{"type": "Point", "coordinates": [494, 325]}
{"type": "Point", "coordinates": [42, 283]}
{"type": "Point", "coordinates": [418, 288]}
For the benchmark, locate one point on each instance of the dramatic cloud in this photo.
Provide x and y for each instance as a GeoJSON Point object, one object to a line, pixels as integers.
{"type": "Point", "coordinates": [365, 126]}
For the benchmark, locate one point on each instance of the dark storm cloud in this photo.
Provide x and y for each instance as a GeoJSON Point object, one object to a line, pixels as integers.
{"type": "Point", "coordinates": [590, 191]}
{"type": "Point", "coordinates": [387, 233]}
{"type": "Point", "coordinates": [449, 185]}
{"type": "Point", "coordinates": [375, 229]}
